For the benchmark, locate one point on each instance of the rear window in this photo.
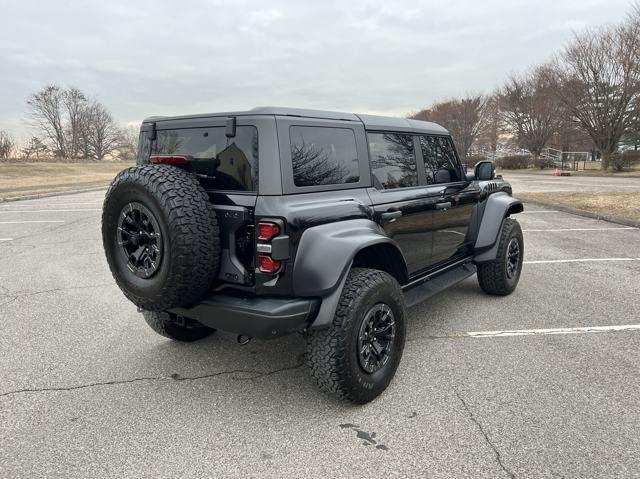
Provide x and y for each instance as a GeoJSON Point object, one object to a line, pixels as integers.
{"type": "Point", "coordinates": [393, 160]}
{"type": "Point", "coordinates": [223, 163]}
{"type": "Point", "coordinates": [323, 156]}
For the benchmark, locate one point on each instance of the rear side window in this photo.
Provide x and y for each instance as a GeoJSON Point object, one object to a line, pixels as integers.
{"type": "Point", "coordinates": [393, 160]}
{"type": "Point", "coordinates": [323, 156]}
{"type": "Point", "coordinates": [223, 163]}
{"type": "Point", "coordinates": [440, 160]}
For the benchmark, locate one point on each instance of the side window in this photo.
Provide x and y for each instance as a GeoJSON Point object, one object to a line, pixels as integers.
{"type": "Point", "coordinates": [440, 160]}
{"type": "Point", "coordinates": [323, 156]}
{"type": "Point", "coordinates": [393, 160]}
{"type": "Point", "coordinates": [144, 148]}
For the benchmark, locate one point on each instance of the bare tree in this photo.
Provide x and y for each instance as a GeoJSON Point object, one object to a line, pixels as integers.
{"type": "Point", "coordinates": [46, 114]}
{"type": "Point", "coordinates": [599, 74]}
{"type": "Point", "coordinates": [631, 137]}
{"type": "Point", "coordinates": [531, 110]}
{"type": "Point", "coordinates": [100, 133]}
{"type": "Point", "coordinates": [76, 106]}
{"type": "Point", "coordinates": [7, 144]}
{"type": "Point", "coordinates": [128, 143]}
{"type": "Point", "coordinates": [491, 128]}
{"type": "Point", "coordinates": [463, 118]}
{"type": "Point", "coordinates": [35, 146]}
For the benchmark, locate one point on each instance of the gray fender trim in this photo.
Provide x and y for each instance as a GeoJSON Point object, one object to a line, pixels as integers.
{"type": "Point", "coordinates": [499, 206]}
{"type": "Point", "coordinates": [324, 257]}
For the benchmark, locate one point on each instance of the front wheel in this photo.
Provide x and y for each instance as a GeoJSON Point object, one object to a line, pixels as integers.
{"type": "Point", "coordinates": [356, 357]}
{"type": "Point", "coordinates": [500, 276]}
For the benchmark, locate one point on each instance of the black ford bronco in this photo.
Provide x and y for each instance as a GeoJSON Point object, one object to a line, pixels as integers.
{"type": "Point", "coordinates": [275, 220]}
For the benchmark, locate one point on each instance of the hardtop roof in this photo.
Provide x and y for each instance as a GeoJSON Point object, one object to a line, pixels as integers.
{"type": "Point", "coordinates": [371, 122]}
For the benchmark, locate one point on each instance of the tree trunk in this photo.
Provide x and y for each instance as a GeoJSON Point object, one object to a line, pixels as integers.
{"type": "Point", "coordinates": [605, 160]}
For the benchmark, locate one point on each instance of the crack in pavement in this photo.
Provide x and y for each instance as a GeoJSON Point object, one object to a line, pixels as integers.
{"type": "Point", "coordinates": [26, 294]}
{"type": "Point", "coordinates": [484, 434]}
{"type": "Point", "coordinates": [176, 377]}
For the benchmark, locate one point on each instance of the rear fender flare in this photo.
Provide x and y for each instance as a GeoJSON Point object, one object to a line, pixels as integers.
{"type": "Point", "coordinates": [325, 255]}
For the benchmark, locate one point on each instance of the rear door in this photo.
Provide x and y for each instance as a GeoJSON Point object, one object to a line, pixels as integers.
{"type": "Point", "coordinates": [226, 166]}
{"type": "Point", "coordinates": [403, 205]}
{"type": "Point", "coordinates": [455, 198]}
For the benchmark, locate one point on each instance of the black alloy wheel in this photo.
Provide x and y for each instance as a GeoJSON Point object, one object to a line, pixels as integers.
{"type": "Point", "coordinates": [513, 258]}
{"type": "Point", "coordinates": [375, 339]}
{"type": "Point", "coordinates": [140, 239]}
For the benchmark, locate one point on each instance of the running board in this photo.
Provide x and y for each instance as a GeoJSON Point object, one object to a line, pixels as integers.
{"type": "Point", "coordinates": [433, 284]}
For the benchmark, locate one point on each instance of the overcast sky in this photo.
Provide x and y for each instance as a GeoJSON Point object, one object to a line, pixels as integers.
{"type": "Point", "coordinates": [169, 57]}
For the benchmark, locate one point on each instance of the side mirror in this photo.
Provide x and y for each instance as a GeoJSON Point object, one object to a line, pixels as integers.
{"type": "Point", "coordinates": [484, 171]}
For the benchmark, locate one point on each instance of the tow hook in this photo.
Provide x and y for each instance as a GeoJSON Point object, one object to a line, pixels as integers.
{"type": "Point", "coordinates": [243, 339]}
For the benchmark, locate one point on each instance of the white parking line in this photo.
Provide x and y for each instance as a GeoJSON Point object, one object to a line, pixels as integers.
{"type": "Point", "coordinates": [48, 211]}
{"type": "Point", "coordinates": [535, 332]}
{"type": "Point", "coordinates": [585, 229]}
{"type": "Point", "coordinates": [538, 211]}
{"type": "Point", "coordinates": [55, 203]}
{"type": "Point", "coordinates": [24, 222]}
{"type": "Point", "coordinates": [579, 260]}
{"type": "Point", "coordinates": [6, 239]}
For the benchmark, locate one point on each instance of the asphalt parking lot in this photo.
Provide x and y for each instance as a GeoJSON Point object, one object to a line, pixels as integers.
{"type": "Point", "coordinates": [88, 390]}
{"type": "Point", "coordinates": [545, 182]}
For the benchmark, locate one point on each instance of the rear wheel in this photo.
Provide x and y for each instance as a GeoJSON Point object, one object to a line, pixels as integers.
{"type": "Point", "coordinates": [357, 356]}
{"type": "Point", "coordinates": [176, 327]}
{"type": "Point", "coordinates": [501, 276]}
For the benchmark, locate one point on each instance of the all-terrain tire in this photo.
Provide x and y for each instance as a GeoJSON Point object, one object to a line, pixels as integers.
{"type": "Point", "coordinates": [332, 353]}
{"type": "Point", "coordinates": [189, 251]}
{"type": "Point", "coordinates": [494, 276]}
{"type": "Point", "coordinates": [172, 327]}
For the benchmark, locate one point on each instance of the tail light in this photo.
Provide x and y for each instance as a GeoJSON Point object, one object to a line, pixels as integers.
{"type": "Point", "coordinates": [266, 264]}
{"type": "Point", "coordinates": [169, 159]}
{"type": "Point", "coordinates": [267, 231]}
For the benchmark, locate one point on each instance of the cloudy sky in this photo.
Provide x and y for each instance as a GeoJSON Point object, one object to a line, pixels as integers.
{"type": "Point", "coordinates": [143, 57]}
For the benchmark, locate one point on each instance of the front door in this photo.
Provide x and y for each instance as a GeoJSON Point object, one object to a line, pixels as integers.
{"type": "Point", "coordinates": [456, 198]}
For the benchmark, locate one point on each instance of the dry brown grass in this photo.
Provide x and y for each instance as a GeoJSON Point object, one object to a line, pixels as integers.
{"type": "Point", "coordinates": [590, 171]}
{"type": "Point", "coordinates": [23, 178]}
{"type": "Point", "coordinates": [622, 205]}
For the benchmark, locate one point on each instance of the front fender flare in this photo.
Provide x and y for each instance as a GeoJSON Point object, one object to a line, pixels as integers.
{"type": "Point", "coordinates": [499, 206]}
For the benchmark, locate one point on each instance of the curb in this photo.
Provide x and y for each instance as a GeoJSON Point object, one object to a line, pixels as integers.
{"type": "Point", "coordinates": [585, 213]}
{"type": "Point", "coordinates": [52, 193]}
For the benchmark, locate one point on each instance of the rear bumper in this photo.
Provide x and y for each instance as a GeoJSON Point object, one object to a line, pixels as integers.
{"type": "Point", "coordinates": [262, 318]}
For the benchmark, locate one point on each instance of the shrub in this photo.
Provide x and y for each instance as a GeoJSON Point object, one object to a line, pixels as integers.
{"type": "Point", "coordinates": [514, 162]}
{"type": "Point", "coordinates": [632, 157]}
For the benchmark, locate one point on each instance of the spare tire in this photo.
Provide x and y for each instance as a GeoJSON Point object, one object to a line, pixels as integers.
{"type": "Point", "coordinates": [160, 237]}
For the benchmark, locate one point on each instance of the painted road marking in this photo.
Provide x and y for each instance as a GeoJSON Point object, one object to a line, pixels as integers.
{"type": "Point", "coordinates": [54, 203]}
{"type": "Point", "coordinates": [579, 260]}
{"type": "Point", "coordinates": [538, 211]}
{"type": "Point", "coordinates": [535, 332]}
{"type": "Point", "coordinates": [6, 239]}
{"type": "Point", "coordinates": [24, 222]}
{"type": "Point", "coordinates": [586, 229]}
{"type": "Point", "coordinates": [48, 211]}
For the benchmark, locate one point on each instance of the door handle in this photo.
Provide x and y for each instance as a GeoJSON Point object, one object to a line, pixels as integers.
{"type": "Point", "coordinates": [443, 206]}
{"type": "Point", "coordinates": [391, 215]}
